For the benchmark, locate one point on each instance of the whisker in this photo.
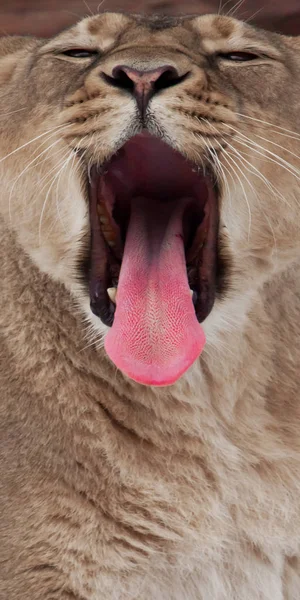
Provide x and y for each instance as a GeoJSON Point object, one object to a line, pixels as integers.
{"type": "Point", "coordinates": [216, 159]}
{"type": "Point", "coordinates": [242, 186]}
{"type": "Point", "coordinates": [56, 193]}
{"type": "Point", "coordinates": [48, 176]}
{"type": "Point", "coordinates": [249, 19]}
{"type": "Point", "coordinates": [228, 160]}
{"type": "Point", "coordinates": [24, 171]}
{"type": "Point", "coordinates": [100, 4]}
{"type": "Point", "coordinates": [220, 6]}
{"type": "Point", "coordinates": [275, 144]}
{"type": "Point", "coordinates": [280, 161]}
{"type": "Point", "coordinates": [48, 193]}
{"type": "Point", "coordinates": [89, 9]}
{"type": "Point", "coordinates": [73, 170]}
{"type": "Point", "coordinates": [223, 7]}
{"type": "Point", "coordinates": [283, 163]}
{"type": "Point", "coordinates": [256, 172]}
{"type": "Point", "coordinates": [33, 140]}
{"type": "Point", "coordinates": [293, 135]}
{"type": "Point", "coordinates": [80, 158]}
{"type": "Point", "coordinates": [266, 181]}
{"type": "Point", "coordinates": [242, 160]}
{"type": "Point", "coordinates": [217, 163]}
{"type": "Point", "coordinates": [92, 342]}
{"type": "Point", "coordinates": [51, 135]}
{"type": "Point", "coordinates": [235, 8]}
{"type": "Point", "coordinates": [12, 112]}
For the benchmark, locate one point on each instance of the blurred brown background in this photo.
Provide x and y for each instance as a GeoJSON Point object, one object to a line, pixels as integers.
{"type": "Point", "coordinates": [46, 17]}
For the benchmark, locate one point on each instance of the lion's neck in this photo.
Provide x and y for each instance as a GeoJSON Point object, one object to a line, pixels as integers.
{"type": "Point", "coordinates": [104, 438]}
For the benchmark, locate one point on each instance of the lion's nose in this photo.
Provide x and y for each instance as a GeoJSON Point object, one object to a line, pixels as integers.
{"type": "Point", "coordinates": [144, 84]}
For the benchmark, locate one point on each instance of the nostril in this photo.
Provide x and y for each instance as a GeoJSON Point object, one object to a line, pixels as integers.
{"type": "Point", "coordinates": [168, 78]}
{"type": "Point", "coordinates": [122, 79]}
{"type": "Point", "coordinates": [119, 79]}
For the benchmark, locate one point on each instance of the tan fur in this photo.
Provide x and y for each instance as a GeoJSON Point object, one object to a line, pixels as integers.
{"type": "Point", "coordinates": [110, 490]}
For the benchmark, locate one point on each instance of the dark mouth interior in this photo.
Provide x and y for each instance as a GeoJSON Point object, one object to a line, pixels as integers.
{"type": "Point", "coordinates": [149, 170]}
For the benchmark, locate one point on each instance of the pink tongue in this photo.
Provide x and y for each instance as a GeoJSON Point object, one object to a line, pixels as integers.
{"type": "Point", "coordinates": [155, 336]}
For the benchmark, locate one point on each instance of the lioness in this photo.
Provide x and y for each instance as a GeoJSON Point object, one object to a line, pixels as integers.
{"type": "Point", "coordinates": [150, 312]}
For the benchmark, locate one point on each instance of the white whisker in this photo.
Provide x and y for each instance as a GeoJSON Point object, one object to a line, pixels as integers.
{"type": "Point", "coordinates": [242, 186]}
{"type": "Point", "coordinates": [88, 7]}
{"type": "Point", "coordinates": [12, 112]}
{"type": "Point", "coordinates": [293, 135]}
{"type": "Point", "coordinates": [48, 193]}
{"type": "Point", "coordinates": [46, 177]}
{"type": "Point", "coordinates": [91, 343]}
{"type": "Point", "coordinates": [31, 141]}
{"type": "Point", "coordinates": [275, 144]}
{"type": "Point", "coordinates": [224, 6]}
{"type": "Point", "coordinates": [249, 19]}
{"type": "Point", "coordinates": [218, 165]}
{"type": "Point", "coordinates": [254, 170]}
{"type": "Point", "coordinates": [281, 162]}
{"type": "Point", "coordinates": [56, 193]}
{"type": "Point", "coordinates": [220, 7]}
{"type": "Point", "coordinates": [258, 174]}
{"type": "Point", "coordinates": [25, 170]}
{"type": "Point", "coordinates": [221, 167]}
{"type": "Point", "coordinates": [243, 160]}
{"type": "Point", "coordinates": [235, 8]}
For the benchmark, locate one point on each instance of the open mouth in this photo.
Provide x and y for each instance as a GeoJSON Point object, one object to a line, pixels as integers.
{"type": "Point", "coordinates": [153, 260]}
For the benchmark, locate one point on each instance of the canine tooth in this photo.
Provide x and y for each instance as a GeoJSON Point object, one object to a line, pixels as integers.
{"type": "Point", "coordinates": [191, 292]}
{"type": "Point", "coordinates": [112, 293]}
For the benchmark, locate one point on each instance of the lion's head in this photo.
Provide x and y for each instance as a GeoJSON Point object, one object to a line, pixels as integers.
{"type": "Point", "coordinates": [151, 165]}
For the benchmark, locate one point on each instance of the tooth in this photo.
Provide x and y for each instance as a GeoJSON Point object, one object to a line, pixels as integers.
{"type": "Point", "coordinates": [112, 293]}
{"type": "Point", "coordinates": [111, 243]}
{"type": "Point", "coordinates": [104, 220]}
{"type": "Point", "coordinates": [191, 292]}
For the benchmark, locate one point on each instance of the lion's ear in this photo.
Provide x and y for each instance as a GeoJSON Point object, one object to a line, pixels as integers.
{"type": "Point", "coordinates": [11, 50]}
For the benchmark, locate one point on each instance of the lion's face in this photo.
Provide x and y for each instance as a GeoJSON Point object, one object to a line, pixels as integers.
{"type": "Point", "coordinates": [152, 166]}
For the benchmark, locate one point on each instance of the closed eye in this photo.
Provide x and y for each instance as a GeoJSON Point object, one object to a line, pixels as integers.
{"type": "Point", "coordinates": [80, 53]}
{"type": "Point", "coordinates": [238, 56]}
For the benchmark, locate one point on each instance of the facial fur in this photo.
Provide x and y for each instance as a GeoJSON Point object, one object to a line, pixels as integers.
{"type": "Point", "coordinates": [236, 114]}
{"type": "Point", "coordinates": [60, 117]}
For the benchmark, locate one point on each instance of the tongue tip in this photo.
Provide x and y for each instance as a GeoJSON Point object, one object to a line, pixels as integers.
{"type": "Point", "coordinates": [154, 374]}
{"type": "Point", "coordinates": [154, 379]}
